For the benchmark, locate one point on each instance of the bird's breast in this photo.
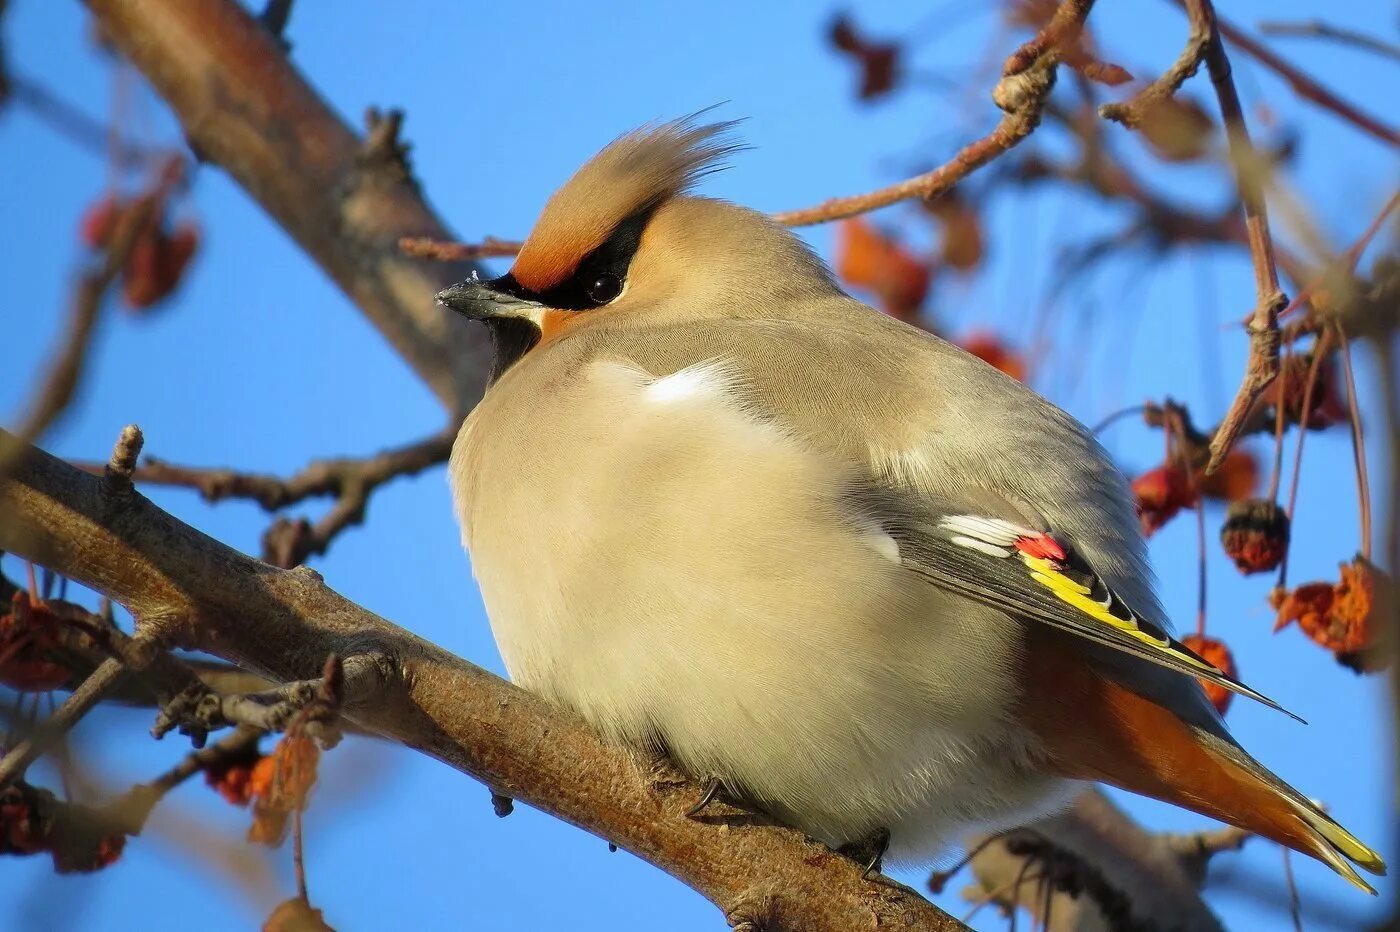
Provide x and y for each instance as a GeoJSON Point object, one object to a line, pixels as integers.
{"type": "Point", "coordinates": [680, 569]}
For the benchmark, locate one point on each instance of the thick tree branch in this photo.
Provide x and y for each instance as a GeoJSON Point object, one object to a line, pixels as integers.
{"type": "Point", "coordinates": [346, 202]}
{"type": "Point", "coordinates": [283, 624]}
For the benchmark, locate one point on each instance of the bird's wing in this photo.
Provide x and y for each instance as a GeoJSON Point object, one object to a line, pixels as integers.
{"type": "Point", "coordinates": [1033, 574]}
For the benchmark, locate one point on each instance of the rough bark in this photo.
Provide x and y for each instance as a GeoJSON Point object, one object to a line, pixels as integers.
{"type": "Point", "coordinates": [346, 201]}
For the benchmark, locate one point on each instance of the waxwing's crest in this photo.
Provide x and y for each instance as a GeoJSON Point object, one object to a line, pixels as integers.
{"type": "Point", "coordinates": [634, 174]}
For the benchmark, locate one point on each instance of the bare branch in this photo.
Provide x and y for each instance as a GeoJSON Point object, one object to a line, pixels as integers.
{"type": "Point", "coordinates": [1100, 869]}
{"type": "Point", "coordinates": [1262, 365]}
{"type": "Point", "coordinates": [421, 247]}
{"type": "Point", "coordinates": [283, 624]}
{"type": "Point", "coordinates": [67, 120]}
{"type": "Point", "coordinates": [1317, 29]}
{"type": "Point", "coordinates": [1028, 76]}
{"type": "Point", "coordinates": [246, 108]}
{"type": "Point", "coordinates": [351, 481]}
{"type": "Point", "coordinates": [28, 749]}
{"type": "Point", "coordinates": [1303, 85]}
{"type": "Point", "coordinates": [89, 296]}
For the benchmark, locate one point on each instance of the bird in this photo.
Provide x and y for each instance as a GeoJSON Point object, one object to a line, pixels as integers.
{"type": "Point", "coordinates": [824, 560]}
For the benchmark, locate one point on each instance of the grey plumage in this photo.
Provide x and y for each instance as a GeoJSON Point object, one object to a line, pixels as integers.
{"type": "Point", "coordinates": [696, 513]}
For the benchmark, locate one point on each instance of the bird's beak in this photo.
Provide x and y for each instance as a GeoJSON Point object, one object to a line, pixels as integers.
{"type": "Point", "coordinates": [480, 300]}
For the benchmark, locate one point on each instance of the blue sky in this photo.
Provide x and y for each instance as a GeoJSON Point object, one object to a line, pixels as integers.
{"type": "Point", "coordinates": [259, 363]}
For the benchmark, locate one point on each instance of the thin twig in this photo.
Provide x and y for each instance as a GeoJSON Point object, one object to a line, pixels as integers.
{"type": "Point", "coordinates": [425, 247]}
{"type": "Point", "coordinates": [1319, 351]}
{"type": "Point", "coordinates": [1262, 366]}
{"type": "Point", "coordinates": [1028, 76]}
{"type": "Point", "coordinates": [1280, 422]}
{"type": "Point", "coordinates": [1295, 904]}
{"type": "Point", "coordinates": [1358, 443]}
{"type": "Point", "coordinates": [351, 481]}
{"type": "Point", "coordinates": [1303, 85]}
{"type": "Point", "coordinates": [1346, 263]}
{"type": "Point", "coordinates": [1131, 113]}
{"type": "Point", "coordinates": [1317, 29]}
{"type": "Point", "coordinates": [65, 369]}
{"type": "Point", "coordinates": [78, 704]}
{"type": "Point", "coordinates": [83, 130]}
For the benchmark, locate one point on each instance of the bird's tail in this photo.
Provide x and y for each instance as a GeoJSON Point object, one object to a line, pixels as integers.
{"type": "Point", "coordinates": [1095, 728]}
{"type": "Point", "coordinates": [1265, 805]}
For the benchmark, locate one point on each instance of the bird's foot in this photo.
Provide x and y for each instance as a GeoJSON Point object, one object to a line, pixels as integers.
{"type": "Point", "coordinates": [868, 851]}
{"type": "Point", "coordinates": [712, 792]}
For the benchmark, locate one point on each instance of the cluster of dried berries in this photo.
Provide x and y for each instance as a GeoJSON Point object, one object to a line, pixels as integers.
{"type": "Point", "coordinates": [1255, 535]}
{"type": "Point", "coordinates": [159, 254]}
{"type": "Point", "coordinates": [276, 784]}
{"type": "Point", "coordinates": [33, 821]}
{"type": "Point", "coordinates": [1214, 651]}
{"type": "Point", "coordinates": [1340, 616]}
{"type": "Point", "coordinates": [872, 261]}
{"type": "Point", "coordinates": [29, 634]}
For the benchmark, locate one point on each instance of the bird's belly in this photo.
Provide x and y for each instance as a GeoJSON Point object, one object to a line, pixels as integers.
{"type": "Point", "coordinates": [701, 583]}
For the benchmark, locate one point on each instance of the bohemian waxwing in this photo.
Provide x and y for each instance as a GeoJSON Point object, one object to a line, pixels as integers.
{"type": "Point", "coordinates": [861, 578]}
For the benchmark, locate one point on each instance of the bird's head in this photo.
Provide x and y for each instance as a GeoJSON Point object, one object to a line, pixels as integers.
{"type": "Point", "coordinates": [624, 237]}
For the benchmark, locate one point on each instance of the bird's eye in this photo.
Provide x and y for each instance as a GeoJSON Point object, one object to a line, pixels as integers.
{"type": "Point", "coordinates": [604, 288]}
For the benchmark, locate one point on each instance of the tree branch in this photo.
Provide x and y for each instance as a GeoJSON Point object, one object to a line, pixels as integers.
{"type": "Point", "coordinates": [1262, 365]}
{"type": "Point", "coordinates": [284, 623]}
{"type": "Point", "coordinates": [1028, 76]}
{"type": "Point", "coordinates": [351, 481]}
{"type": "Point", "coordinates": [1100, 870]}
{"type": "Point", "coordinates": [1317, 29]}
{"type": "Point", "coordinates": [1303, 85]}
{"type": "Point", "coordinates": [244, 107]}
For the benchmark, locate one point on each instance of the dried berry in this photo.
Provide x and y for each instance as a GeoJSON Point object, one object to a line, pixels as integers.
{"type": "Point", "coordinates": [960, 242]}
{"type": "Point", "coordinates": [878, 61]}
{"type": "Point", "coordinates": [1235, 480]}
{"type": "Point", "coordinates": [868, 259]}
{"type": "Point", "coordinates": [1325, 405]}
{"type": "Point", "coordinates": [1161, 493]}
{"type": "Point", "coordinates": [95, 228]}
{"type": "Point", "coordinates": [1215, 652]}
{"type": "Point", "coordinates": [232, 777]}
{"type": "Point", "coordinates": [1255, 535]}
{"type": "Point", "coordinates": [157, 264]}
{"type": "Point", "coordinates": [1338, 616]}
{"type": "Point", "coordinates": [989, 348]}
{"type": "Point", "coordinates": [29, 634]}
{"type": "Point", "coordinates": [296, 915]}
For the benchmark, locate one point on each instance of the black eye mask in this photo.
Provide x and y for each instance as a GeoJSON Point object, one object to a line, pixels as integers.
{"type": "Point", "coordinates": [598, 279]}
